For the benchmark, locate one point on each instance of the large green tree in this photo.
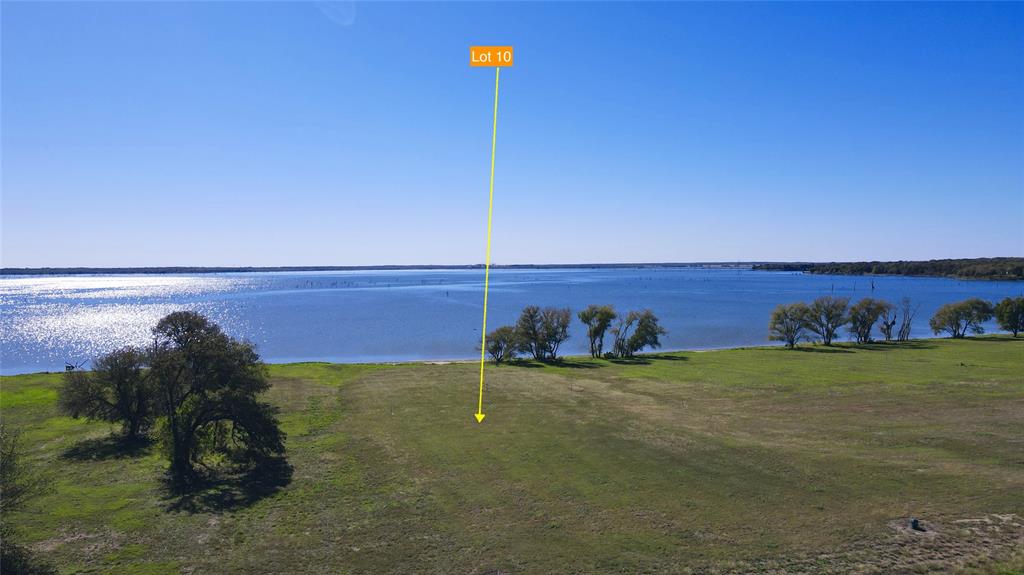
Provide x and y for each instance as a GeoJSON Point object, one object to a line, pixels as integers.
{"type": "Point", "coordinates": [864, 315]}
{"type": "Point", "coordinates": [788, 323]}
{"type": "Point", "coordinates": [207, 390]}
{"type": "Point", "coordinates": [826, 315]}
{"type": "Point", "coordinates": [117, 390]}
{"type": "Point", "coordinates": [597, 318]}
{"type": "Point", "coordinates": [960, 318]}
{"type": "Point", "coordinates": [1010, 315]}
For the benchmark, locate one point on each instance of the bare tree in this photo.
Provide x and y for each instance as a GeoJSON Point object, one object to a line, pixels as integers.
{"type": "Point", "coordinates": [907, 313]}
{"type": "Point", "coordinates": [621, 333]}
{"type": "Point", "coordinates": [887, 322]}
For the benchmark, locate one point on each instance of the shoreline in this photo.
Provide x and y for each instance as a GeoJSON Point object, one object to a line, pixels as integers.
{"type": "Point", "coordinates": [563, 359]}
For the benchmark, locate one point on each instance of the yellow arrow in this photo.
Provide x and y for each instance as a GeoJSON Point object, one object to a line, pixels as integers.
{"type": "Point", "coordinates": [487, 259]}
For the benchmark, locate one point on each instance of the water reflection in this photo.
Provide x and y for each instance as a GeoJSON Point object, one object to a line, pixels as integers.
{"type": "Point", "coordinates": [410, 315]}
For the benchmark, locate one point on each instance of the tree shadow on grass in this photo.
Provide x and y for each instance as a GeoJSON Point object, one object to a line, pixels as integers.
{"type": "Point", "coordinates": [573, 364]}
{"type": "Point", "coordinates": [589, 363]}
{"type": "Point", "coordinates": [816, 349]}
{"type": "Point", "coordinates": [892, 345]}
{"type": "Point", "coordinates": [638, 360]}
{"type": "Point", "coordinates": [561, 362]}
{"type": "Point", "coordinates": [646, 359]}
{"type": "Point", "coordinates": [996, 338]}
{"type": "Point", "coordinates": [665, 357]}
{"type": "Point", "coordinates": [109, 447]}
{"type": "Point", "coordinates": [229, 489]}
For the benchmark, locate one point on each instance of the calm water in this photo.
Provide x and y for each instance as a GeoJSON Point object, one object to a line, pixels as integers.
{"type": "Point", "coordinates": [416, 315]}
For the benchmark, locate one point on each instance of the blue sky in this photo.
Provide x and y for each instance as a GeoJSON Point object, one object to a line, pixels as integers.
{"type": "Point", "coordinates": [293, 133]}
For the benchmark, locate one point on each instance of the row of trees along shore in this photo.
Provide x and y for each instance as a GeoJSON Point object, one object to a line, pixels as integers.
{"type": "Point", "coordinates": [822, 319]}
{"type": "Point", "coordinates": [539, 333]}
{"type": "Point", "coordinates": [975, 268]}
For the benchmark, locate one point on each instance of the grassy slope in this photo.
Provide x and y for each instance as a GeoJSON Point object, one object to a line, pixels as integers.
{"type": "Point", "coordinates": [742, 459]}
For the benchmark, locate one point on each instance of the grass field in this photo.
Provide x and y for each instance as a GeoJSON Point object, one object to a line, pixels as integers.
{"type": "Point", "coordinates": [751, 460]}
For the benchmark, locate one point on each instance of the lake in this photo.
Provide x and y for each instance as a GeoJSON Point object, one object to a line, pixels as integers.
{"type": "Point", "coordinates": [384, 316]}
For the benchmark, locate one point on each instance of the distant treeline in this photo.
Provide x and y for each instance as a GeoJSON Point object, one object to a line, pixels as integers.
{"type": "Point", "coordinates": [976, 268]}
{"type": "Point", "coordinates": [250, 269]}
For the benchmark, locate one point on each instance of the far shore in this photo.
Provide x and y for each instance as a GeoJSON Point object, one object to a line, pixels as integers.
{"type": "Point", "coordinates": [372, 268]}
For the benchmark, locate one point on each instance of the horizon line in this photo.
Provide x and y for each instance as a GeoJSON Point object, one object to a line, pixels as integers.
{"type": "Point", "coordinates": [82, 270]}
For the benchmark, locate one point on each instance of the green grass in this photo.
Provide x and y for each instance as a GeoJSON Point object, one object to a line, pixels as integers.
{"type": "Point", "coordinates": [748, 460]}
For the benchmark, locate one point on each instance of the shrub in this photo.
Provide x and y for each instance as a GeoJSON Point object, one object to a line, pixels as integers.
{"type": "Point", "coordinates": [502, 344]}
{"type": "Point", "coordinates": [117, 390]}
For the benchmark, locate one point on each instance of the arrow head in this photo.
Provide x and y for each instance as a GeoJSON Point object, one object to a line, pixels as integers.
{"type": "Point", "coordinates": [480, 417]}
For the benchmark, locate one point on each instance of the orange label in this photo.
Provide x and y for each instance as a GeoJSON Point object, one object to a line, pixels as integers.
{"type": "Point", "coordinates": [490, 56]}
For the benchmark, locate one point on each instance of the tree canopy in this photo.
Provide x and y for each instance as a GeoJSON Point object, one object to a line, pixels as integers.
{"type": "Point", "coordinates": [960, 318]}
{"type": "Point", "coordinates": [207, 388]}
{"type": "Point", "coordinates": [788, 323]}
{"type": "Point", "coordinates": [1010, 314]}
{"type": "Point", "coordinates": [502, 344]}
{"type": "Point", "coordinates": [826, 315]}
{"type": "Point", "coordinates": [541, 332]}
{"type": "Point", "coordinates": [635, 331]}
{"type": "Point", "coordinates": [865, 314]}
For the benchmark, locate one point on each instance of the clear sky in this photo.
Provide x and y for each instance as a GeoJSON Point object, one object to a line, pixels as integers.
{"type": "Point", "coordinates": [261, 133]}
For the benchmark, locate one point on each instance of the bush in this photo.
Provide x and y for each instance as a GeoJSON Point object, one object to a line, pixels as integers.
{"type": "Point", "coordinates": [502, 344]}
{"type": "Point", "coordinates": [117, 390]}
